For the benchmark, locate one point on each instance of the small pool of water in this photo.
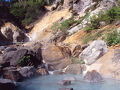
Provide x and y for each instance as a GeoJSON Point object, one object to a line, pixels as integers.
{"type": "Point", "coordinates": [50, 83]}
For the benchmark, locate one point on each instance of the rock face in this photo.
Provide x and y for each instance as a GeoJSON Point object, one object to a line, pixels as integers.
{"type": "Point", "coordinates": [12, 74]}
{"type": "Point", "coordinates": [93, 76]}
{"type": "Point", "coordinates": [108, 65]}
{"type": "Point", "coordinates": [12, 33]}
{"type": "Point", "coordinates": [12, 56]}
{"type": "Point", "coordinates": [42, 71]}
{"type": "Point", "coordinates": [6, 84]}
{"type": "Point", "coordinates": [77, 50]}
{"type": "Point", "coordinates": [27, 72]}
{"type": "Point", "coordinates": [56, 57]}
{"type": "Point", "coordinates": [83, 6]}
{"type": "Point", "coordinates": [74, 69]}
{"type": "Point", "coordinates": [96, 50]}
{"type": "Point", "coordinates": [64, 82]}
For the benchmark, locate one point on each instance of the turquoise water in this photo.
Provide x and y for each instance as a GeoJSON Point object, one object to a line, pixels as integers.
{"type": "Point", "coordinates": [50, 83]}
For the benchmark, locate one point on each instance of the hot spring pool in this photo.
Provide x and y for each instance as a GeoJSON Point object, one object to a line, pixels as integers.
{"type": "Point", "coordinates": [50, 83]}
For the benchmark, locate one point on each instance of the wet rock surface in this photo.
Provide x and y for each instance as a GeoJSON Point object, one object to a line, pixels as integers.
{"type": "Point", "coordinates": [27, 72]}
{"type": "Point", "coordinates": [93, 76]}
{"type": "Point", "coordinates": [74, 69]}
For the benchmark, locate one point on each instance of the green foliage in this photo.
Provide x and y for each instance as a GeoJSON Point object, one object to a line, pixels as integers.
{"type": "Point", "coordinates": [94, 24]}
{"type": "Point", "coordinates": [111, 15]}
{"type": "Point", "coordinates": [25, 60]}
{"type": "Point", "coordinates": [112, 38]}
{"type": "Point", "coordinates": [77, 61]}
{"type": "Point", "coordinates": [27, 10]}
{"type": "Point", "coordinates": [92, 36]}
{"type": "Point", "coordinates": [64, 26]}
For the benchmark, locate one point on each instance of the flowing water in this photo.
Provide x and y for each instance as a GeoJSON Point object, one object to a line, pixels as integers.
{"type": "Point", "coordinates": [50, 83]}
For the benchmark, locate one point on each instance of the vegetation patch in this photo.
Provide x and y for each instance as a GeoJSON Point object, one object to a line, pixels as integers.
{"type": "Point", "coordinates": [112, 38]}
{"type": "Point", "coordinates": [77, 61]}
{"type": "Point", "coordinates": [24, 61]}
{"type": "Point", "coordinates": [26, 10]}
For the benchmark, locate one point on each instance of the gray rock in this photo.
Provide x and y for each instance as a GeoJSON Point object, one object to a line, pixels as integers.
{"type": "Point", "coordinates": [74, 69]}
{"type": "Point", "coordinates": [12, 74]}
{"type": "Point", "coordinates": [93, 52]}
{"type": "Point", "coordinates": [6, 84]}
{"type": "Point", "coordinates": [8, 49]}
{"type": "Point", "coordinates": [13, 57]}
{"type": "Point", "coordinates": [12, 33]}
{"type": "Point", "coordinates": [93, 76]}
{"type": "Point", "coordinates": [64, 82]}
{"type": "Point", "coordinates": [27, 72]}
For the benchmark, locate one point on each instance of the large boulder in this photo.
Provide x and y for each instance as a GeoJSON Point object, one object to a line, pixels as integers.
{"type": "Point", "coordinates": [93, 76]}
{"type": "Point", "coordinates": [12, 58]}
{"type": "Point", "coordinates": [74, 69]}
{"type": "Point", "coordinates": [22, 56]}
{"type": "Point", "coordinates": [6, 84]}
{"type": "Point", "coordinates": [108, 65]}
{"type": "Point", "coordinates": [93, 52]}
{"type": "Point", "coordinates": [80, 6]}
{"type": "Point", "coordinates": [12, 74]}
{"type": "Point", "coordinates": [56, 57]}
{"type": "Point", "coordinates": [27, 72]}
{"type": "Point", "coordinates": [12, 33]}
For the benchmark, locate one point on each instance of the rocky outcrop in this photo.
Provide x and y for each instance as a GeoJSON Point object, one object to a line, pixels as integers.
{"type": "Point", "coordinates": [12, 56]}
{"type": "Point", "coordinates": [6, 84]}
{"type": "Point", "coordinates": [76, 51]}
{"type": "Point", "coordinates": [93, 76]}
{"type": "Point", "coordinates": [12, 33]}
{"type": "Point", "coordinates": [74, 69]}
{"type": "Point", "coordinates": [56, 57]}
{"type": "Point", "coordinates": [83, 6]}
{"type": "Point", "coordinates": [93, 52]}
{"type": "Point", "coordinates": [12, 74]}
{"type": "Point", "coordinates": [27, 72]}
{"type": "Point", "coordinates": [108, 65]}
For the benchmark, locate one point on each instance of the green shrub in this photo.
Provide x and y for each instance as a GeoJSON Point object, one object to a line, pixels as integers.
{"type": "Point", "coordinates": [24, 61]}
{"type": "Point", "coordinates": [27, 10]}
{"type": "Point", "coordinates": [77, 61]}
{"type": "Point", "coordinates": [64, 26]}
{"type": "Point", "coordinates": [112, 38]}
{"type": "Point", "coordinates": [111, 15]}
{"type": "Point", "coordinates": [94, 24]}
